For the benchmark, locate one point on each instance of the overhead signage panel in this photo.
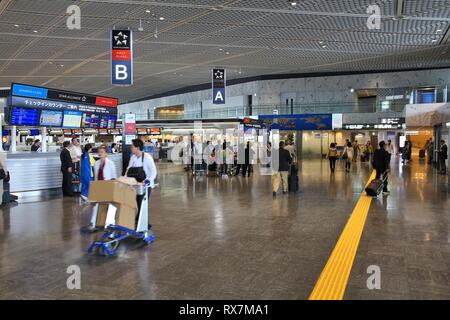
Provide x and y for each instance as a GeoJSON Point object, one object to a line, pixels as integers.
{"type": "Point", "coordinates": [219, 82]}
{"type": "Point", "coordinates": [372, 126]}
{"type": "Point", "coordinates": [21, 90]}
{"type": "Point", "coordinates": [122, 57]}
{"type": "Point", "coordinates": [298, 122]}
{"type": "Point", "coordinates": [58, 105]}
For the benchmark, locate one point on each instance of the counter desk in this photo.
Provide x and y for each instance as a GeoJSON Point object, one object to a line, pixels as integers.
{"type": "Point", "coordinates": [35, 171]}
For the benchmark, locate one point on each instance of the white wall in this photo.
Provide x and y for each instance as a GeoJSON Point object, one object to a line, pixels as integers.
{"type": "Point", "coordinates": [331, 89]}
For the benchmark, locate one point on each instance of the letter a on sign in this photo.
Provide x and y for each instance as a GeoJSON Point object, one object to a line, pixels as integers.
{"type": "Point", "coordinates": [219, 97]}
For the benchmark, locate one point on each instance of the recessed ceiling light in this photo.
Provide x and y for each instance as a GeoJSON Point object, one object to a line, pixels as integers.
{"type": "Point", "coordinates": [320, 42]}
{"type": "Point", "coordinates": [148, 11]}
{"type": "Point", "coordinates": [324, 46]}
{"type": "Point", "coordinates": [439, 30]}
{"type": "Point", "coordinates": [162, 18]}
{"type": "Point", "coordinates": [293, 3]}
{"type": "Point", "coordinates": [35, 31]}
{"type": "Point", "coordinates": [227, 52]}
{"type": "Point", "coordinates": [220, 49]}
{"type": "Point", "coordinates": [16, 25]}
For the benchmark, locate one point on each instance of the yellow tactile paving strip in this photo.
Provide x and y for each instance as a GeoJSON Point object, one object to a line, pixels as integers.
{"type": "Point", "coordinates": [334, 277]}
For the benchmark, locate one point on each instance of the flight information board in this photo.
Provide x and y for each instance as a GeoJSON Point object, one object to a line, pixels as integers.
{"type": "Point", "coordinates": [51, 118]}
{"type": "Point", "coordinates": [72, 119]}
{"type": "Point", "coordinates": [38, 106]}
{"type": "Point", "coordinates": [24, 117]}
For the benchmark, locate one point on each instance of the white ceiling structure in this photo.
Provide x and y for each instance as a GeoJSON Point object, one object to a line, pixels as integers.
{"type": "Point", "coordinates": [183, 39]}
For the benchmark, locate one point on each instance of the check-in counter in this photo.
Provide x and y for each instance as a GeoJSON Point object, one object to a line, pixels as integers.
{"type": "Point", "coordinates": [35, 171]}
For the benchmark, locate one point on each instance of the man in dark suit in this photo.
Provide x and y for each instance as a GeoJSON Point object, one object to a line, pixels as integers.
{"type": "Point", "coordinates": [443, 155]}
{"type": "Point", "coordinates": [381, 165]}
{"type": "Point", "coordinates": [66, 169]}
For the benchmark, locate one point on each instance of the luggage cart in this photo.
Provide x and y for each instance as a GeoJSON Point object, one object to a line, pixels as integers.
{"type": "Point", "coordinates": [110, 241]}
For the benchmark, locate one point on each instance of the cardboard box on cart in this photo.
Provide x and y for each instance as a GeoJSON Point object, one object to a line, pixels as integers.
{"type": "Point", "coordinates": [121, 195]}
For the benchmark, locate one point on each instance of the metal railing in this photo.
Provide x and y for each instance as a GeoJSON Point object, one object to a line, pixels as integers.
{"type": "Point", "coordinates": [245, 111]}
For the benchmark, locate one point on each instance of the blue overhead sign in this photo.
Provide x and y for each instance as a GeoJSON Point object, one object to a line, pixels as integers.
{"type": "Point", "coordinates": [219, 81]}
{"type": "Point", "coordinates": [29, 91]}
{"type": "Point", "coordinates": [297, 122]}
{"type": "Point", "coordinates": [122, 57]}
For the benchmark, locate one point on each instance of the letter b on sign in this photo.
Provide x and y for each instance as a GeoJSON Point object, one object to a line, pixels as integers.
{"type": "Point", "coordinates": [74, 20]}
{"type": "Point", "coordinates": [121, 72]}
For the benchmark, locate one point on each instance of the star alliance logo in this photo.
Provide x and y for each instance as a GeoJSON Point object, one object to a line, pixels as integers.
{"type": "Point", "coordinates": [218, 75]}
{"type": "Point", "coordinates": [121, 39]}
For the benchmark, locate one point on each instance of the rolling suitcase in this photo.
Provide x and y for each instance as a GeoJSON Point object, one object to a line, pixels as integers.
{"type": "Point", "coordinates": [293, 184]}
{"type": "Point", "coordinates": [374, 188]}
{"type": "Point", "coordinates": [422, 153]}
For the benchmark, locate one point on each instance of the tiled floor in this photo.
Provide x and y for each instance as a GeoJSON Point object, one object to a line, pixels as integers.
{"type": "Point", "coordinates": [407, 236]}
{"type": "Point", "coordinates": [230, 239]}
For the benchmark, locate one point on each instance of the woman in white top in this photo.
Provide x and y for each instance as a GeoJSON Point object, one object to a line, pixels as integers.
{"type": "Point", "coordinates": [143, 160]}
{"type": "Point", "coordinates": [104, 169]}
{"type": "Point", "coordinates": [142, 167]}
{"type": "Point", "coordinates": [348, 155]}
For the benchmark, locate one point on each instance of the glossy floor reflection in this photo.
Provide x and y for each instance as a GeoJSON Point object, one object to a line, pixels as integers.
{"type": "Point", "coordinates": [407, 235]}
{"type": "Point", "coordinates": [225, 239]}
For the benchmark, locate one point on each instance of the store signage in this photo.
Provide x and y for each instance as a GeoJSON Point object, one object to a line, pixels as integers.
{"type": "Point", "coordinates": [122, 57]}
{"type": "Point", "coordinates": [252, 123]}
{"type": "Point", "coordinates": [142, 131]}
{"type": "Point", "coordinates": [219, 80]}
{"type": "Point", "coordinates": [154, 131]}
{"type": "Point", "coordinates": [372, 126]}
{"type": "Point", "coordinates": [130, 123]}
{"type": "Point", "coordinates": [391, 121]}
{"type": "Point", "coordinates": [23, 90]}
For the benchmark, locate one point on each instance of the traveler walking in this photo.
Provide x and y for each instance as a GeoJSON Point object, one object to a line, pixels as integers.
{"type": "Point", "coordinates": [281, 176]}
{"type": "Point", "coordinates": [332, 156]}
{"type": "Point", "coordinates": [348, 156]}
{"type": "Point", "coordinates": [381, 165]}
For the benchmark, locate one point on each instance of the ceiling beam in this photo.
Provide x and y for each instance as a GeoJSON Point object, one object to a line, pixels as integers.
{"type": "Point", "coordinates": [400, 8]}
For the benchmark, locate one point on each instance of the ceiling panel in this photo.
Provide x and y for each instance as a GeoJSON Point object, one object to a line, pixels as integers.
{"type": "Point", "coordinates": [248, 37]}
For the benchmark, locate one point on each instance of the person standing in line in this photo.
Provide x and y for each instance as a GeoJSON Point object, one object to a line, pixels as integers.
{"type": "Point", "coordinates": [281, 176]}
{"type": "Point", "coordinates": [86, 172]}
{"type": "Point", "coordinates": [381, 165]}
{"type": "Point", "coordinates": [430, 151]}
{"type": "Point", "coordinates": [104, 168]}
{"type": "Point", "coordinates": [246, 167]}
{"type": "Point", "coordinates": [348, 155]}
{"type": "Point", "coordinates": [332, 156]}
{"type": "Point", "coordinates": [66, 169]}
{"type": "Point", "coordinates": [356, 150]}
{"type": "Point", "coordinates": [36, 147]}
{"type": "Point", "coordinates": [406, 154]}
{"type": "Point", "coordinates": [443, 155]}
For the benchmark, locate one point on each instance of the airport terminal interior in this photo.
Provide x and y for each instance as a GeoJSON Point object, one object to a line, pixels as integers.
{"type": "Point", "coordinates": [224, 150]}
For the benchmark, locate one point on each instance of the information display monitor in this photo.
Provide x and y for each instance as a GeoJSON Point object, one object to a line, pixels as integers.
{"type": "Point", "coordinates": [72, 119]}
{"type": "Point", "coordinates": [50, 118]}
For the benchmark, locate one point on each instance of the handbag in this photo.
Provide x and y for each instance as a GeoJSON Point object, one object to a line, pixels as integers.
{"type": "Point", "coordinates": [137, 172]}
{"type": "Point", "coordinates": [2, 174]}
